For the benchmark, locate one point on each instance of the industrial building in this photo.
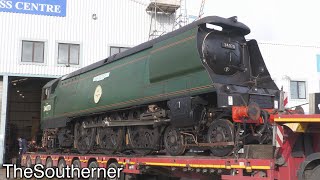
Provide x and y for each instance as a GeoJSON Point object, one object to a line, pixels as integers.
{"type": "Point", "coordinates": [38, 45]}
{"type": "Point", "coordinates": [295, 67]}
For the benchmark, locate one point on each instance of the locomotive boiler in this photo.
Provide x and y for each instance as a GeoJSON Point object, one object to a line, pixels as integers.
{"type": "Point", "coordinates": [199, 87]}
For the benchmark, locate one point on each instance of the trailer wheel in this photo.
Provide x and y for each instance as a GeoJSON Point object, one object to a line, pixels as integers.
{"type": "Point", "coordinates": [76, 164]}
{"type": "Point", "coordinates": [315, 173]}
{"type": "Point", "coordinates": [61, 165]}
{"type": "Point", "coordinates": [93, 164]}
{"type": "Point", "coordinates": [49, 163]}
{"type": "Point", "coordinates": [28, 162]}
{"type": "Point", "coordinates": [38, 160]}
{"type": "Point", "coordinates": [115, 165]}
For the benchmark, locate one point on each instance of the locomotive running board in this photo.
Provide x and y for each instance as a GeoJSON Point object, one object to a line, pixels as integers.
{"type": "Point", "coordinates": [118, 123]}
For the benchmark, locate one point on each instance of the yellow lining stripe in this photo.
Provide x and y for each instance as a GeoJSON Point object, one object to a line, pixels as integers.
{"type": "Point", "coordinates": [297, 120]}
{"type": "Point", "coordinates": [165, 164]}
{"type": "Point", "coordinates": [222, 166]}
{"type": "Point", "coordinates": [112, 68]}
{"type": "Point", "coordinates": [131, 61]}
{"type": "Point", "coordinates": [139, 100]}
{"type": "Point", "coordinates": [124, 163]}
{"type": "Point", "coordinates": [173, 44]}
{"type": "Point", "coordinates": [216, 166]}
{"type": "Point", "coordinates": [261, 167]}
{"type": "Point", "coordinates": [102, 161]}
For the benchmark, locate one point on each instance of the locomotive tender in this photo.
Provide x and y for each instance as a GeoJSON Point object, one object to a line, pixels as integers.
{"type": "Point", "coordinates": [194, 88]}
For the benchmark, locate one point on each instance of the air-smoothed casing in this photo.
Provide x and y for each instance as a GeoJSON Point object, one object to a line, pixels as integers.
{"type": "Point", "coordinates": [166, 68]}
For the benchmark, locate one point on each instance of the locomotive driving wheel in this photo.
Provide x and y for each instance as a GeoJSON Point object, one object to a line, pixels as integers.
{"type": "Point", "coordinates": [221, 130]}
{"type": "Point", "coordinates": [110, 139]}
{"type": "Point", "coordinates": [174, 141]}
{"type": "Point", "coordinates": [143, 139]}
{"type": "Point", "coordinates": [84, 138]}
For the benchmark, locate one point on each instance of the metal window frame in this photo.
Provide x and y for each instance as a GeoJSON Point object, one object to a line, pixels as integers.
{"type": "Point", "coordinates": [305, 89]}
{"type": "Point", "coordinates": [69, 47]}
{"type": "Point", "coordinates": [117, 47]}
{"type": "Point", "coordinates": [33, 49]}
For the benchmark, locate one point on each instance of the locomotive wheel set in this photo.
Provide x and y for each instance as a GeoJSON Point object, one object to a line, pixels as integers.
{"type": "Point", "coordinates": [196, 88]}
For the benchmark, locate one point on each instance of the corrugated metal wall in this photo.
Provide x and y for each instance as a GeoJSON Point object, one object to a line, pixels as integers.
{"type": "Point", "coordinates": [1, 91]}
{"type": "Point", "coordinates": [119, 22]}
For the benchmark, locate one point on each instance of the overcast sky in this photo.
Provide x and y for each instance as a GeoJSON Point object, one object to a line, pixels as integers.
{"type": "Point", "coordinates": [284, 21]}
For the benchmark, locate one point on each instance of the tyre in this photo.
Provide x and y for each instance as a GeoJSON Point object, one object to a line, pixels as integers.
{"type": "Point", "coordinates": [116, 166]}
{"type": "Point", "coordinates": [76, 164]}
{"type": "Point", "coordinates": [93, 164]}
{"type": "Point", "coordinates": [49, 162]}
{"type": "Point", "coordinates": [38, 160]}
{"type": "Point", "coordinates": [28, 162]}
{"type": "Point", "coordinates": [61, 165]}
{"type": "Point", "coordinates": [315, 173]}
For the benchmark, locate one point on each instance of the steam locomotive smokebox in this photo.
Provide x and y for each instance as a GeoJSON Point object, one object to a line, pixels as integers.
{"type": "Point", "coordinates": [314, 103]}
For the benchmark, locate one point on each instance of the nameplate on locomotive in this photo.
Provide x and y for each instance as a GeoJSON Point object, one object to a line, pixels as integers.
{"type": "Point", "coordinates": [101, 77]}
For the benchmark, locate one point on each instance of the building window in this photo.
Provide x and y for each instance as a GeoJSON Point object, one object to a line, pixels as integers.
{"type": "Point", "coordinates": [115, 50]}
{"type": "Point", "coordinates": [32, 51]}
{"type": "Point", "coordinates": [318, 62]}
{"type": "Point", "coordinates": [68, 54]}
{"type": "Point", "coordinates": [298, 89]}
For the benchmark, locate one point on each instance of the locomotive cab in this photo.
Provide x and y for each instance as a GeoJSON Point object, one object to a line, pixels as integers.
{"type": "Point", "coordinates": [47, 103]}
{"type": "Point", "coordinates": [46, 93]}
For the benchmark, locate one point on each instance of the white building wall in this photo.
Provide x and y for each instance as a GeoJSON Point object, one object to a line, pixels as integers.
{"type": "Point", "coordinates": [119, 22]}
{"type": "Point", "coordinates": [288, 62]}
{"type": "Point", "coordinates": [123, 23]}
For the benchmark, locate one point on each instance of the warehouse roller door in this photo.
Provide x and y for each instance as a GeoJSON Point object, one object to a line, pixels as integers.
{"type": "Point", "coordinates": [23, 112]}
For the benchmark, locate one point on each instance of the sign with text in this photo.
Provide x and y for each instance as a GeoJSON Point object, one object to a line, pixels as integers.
{"type": "Point", "coordinates": [39, 7]}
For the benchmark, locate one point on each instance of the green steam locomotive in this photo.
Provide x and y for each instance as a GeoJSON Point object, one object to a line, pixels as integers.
{"type": "Point", "coordinates": [195, 88]}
